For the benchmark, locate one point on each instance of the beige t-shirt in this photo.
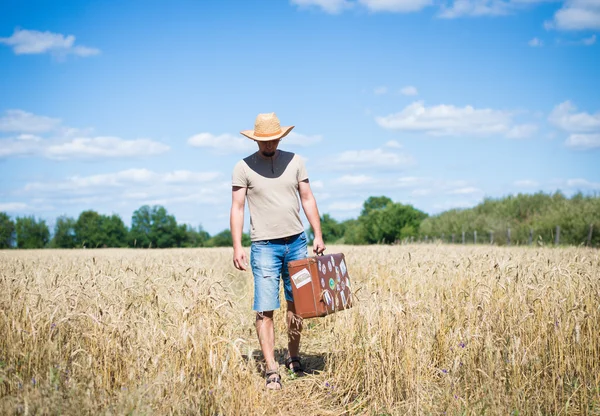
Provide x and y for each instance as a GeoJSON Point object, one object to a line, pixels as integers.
{"type": "Point", "coordinates": [272, 193]}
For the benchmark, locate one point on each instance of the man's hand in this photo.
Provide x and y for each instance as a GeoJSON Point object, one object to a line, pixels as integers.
{"type": "Point", "coordinates": [240, 261]}
{"type": "Point", "coordinates": [318, 245]}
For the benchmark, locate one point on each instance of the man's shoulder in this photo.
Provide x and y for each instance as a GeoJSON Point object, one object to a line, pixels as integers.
{"type": "Point", "coordinates": [285, 153]}
{"type": "Point", "coordinates": [290, 156]}
{"type": "Point", "coordinates": [245, 161]}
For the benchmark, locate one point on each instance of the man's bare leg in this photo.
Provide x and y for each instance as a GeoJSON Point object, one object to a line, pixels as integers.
{"type": "Point", "coordinates": [294, 324]}
{"type": "Point", "coordinates": [266, 337]}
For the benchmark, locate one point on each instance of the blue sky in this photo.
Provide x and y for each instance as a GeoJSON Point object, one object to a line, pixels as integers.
{"type": "Point", "coordinates": [113, 105]}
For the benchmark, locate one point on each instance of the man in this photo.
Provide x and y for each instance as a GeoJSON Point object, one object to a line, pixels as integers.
{"type": "Point", "coordinates": [271, 180]}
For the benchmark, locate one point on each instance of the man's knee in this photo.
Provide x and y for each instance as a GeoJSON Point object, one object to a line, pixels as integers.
{"type": "Point", "coordinates": [260, 316]}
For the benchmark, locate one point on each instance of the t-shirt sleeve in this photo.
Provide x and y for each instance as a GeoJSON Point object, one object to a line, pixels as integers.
{"type": "Point", "coordinates": [302, 173]}
{"type": "Point", "coordinates": [239, 177]}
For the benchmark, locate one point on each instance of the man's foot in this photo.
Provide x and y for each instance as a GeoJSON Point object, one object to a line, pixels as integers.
{"type": "Point", "coordinates": [273, 380]}
{"type": "Point", "coordinates": [295, 366]}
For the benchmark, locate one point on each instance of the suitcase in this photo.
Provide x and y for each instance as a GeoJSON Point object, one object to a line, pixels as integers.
{"type": "Point", "coordinates": [320, 285]}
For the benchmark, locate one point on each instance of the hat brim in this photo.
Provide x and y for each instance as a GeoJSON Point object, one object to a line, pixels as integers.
{"type": "Point", "coordinates": [284, 132]}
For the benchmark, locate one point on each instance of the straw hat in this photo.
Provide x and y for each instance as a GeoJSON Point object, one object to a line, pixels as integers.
{"type": "Point", "coordinates": [267, 127]}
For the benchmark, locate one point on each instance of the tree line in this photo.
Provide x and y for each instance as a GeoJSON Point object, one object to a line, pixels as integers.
{"type": "Point", "coordinates": [151, 227]}
{"type": "Point", "coordinates": [515, 219]}
{"type": "Point", "coordinates": [523, 219]}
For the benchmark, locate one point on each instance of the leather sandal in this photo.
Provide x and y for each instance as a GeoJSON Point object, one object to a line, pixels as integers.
{"type": "Point", "coordinates": [272, 376]}
{"type": "Point", "coordinates": [298, 369]}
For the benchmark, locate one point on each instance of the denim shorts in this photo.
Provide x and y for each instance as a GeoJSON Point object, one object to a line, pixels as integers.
{"type": "Point", "coordinates": [269, 259]}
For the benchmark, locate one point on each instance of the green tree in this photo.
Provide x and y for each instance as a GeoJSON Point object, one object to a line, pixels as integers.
{"type": "Point", "coordinates": [391, 223]}
{"type": "Point", "coordinates": [140, 234]}
{"type": "Point", "coordinates": [165, 229]}
{"type": "Point", "coordinates": [88, 230]}
{"type": "Point", "coordinates": [354, 232]}
{"type": "Point", "coordinates": [64, 233]}
{"type": "Point", "coordinates": [332, 231]}
{"type": "Point", "coordinates": [95, 230]}
{"type": "Point", "coordinates": [31, 233]}
{"type": "Point", "coordinates": [7, 231]}
{"type": "Point", "coordinates": [222, 239]}
{"type": "Point", "coordinates": [374, 203]}
{"type": "Point", "coordinates": [154, 227]}
{"type": "Point", "coordinates": [528, 216]}
{"type": "Point", "coordinates": [194, 237]}
{"type": "Point", "coordinates": [114, 231]}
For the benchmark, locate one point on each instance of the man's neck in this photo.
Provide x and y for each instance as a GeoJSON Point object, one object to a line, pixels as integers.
{"type": "Point", "coordinates": [265, 157]}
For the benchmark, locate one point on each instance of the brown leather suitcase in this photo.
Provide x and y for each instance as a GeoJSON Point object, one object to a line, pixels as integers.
{"type": "Point", "coordinates": [320, 285]}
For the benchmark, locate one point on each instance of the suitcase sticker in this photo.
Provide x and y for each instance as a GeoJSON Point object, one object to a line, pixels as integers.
{"type": "Point", "coordinates": [321, 285]}
{"type": "Point", "coordinates": [301, 278]}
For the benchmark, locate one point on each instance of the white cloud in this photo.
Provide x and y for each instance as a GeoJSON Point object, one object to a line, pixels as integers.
{"type": "Point", "coordinates": [409, 90]}
{"type": "Point", "coordinates": [345, 206]}
{"type": "Point", "coordinates": [359, 183]}
{"type": "Point", "coordinates": [584, 141]}
{"type": "Point", "coordinates": [582, 41]}
{"type": "Point", "coordinates": [104, 147]}
{"type": "Point", "coordinates": [470, 190]}
{"type": "Point", "coordinates": [186, 176]}
{"type": "Point", "coordinates": [395, 6]}
{"type": "Point", "coordinates": [526, 183]}
{"type": "Point", "coordinates": [55, 141]}
{"type": "Point", "coordinates": [522, 131]}
{"type": "Point", "coordinates": [448, 120]}
{"type": "Point", "coordinates": [224, 143]}
{"type": "Point", "coordinates": [197, 197]}
{"type": "Point", "coordinates": [300, 140]}
{"type": "Point", "coordinates": [577, 15]}
{"type": "Point", "coordinates": [452, 8]}
{"type": "Point", "coordinates": [456, 204]}
{"type": "Point", "coordinates": [582, 184]}
{"type": "Point", "coordinates": [380, 90]}
{"type": "Point", "coordinates": [460, 8]}
{"type": "Point", "coordinates": [13, 206]}
{"type": "Point", "coordinates": [84, 51]}
{"type": "Point", "coordinates": [35, 42]}
{"type": "Point", "coordinates": [421, 192]}
{"type": "Point", "coordinates": [351, 180]}
{"type": "Point", "coordinates": [97, 147]}
{"type": "Point", "coordinates": [23, 122]}
{"type": "Point", "coordinates": [29, 138]}
{"type": "Point", "coordinates": [564, 116]}
{"type": "Point", "coordinates": [475, 8]}
{"type": "Point", "coordinates": [374, 158]}
{"type": "Point", "coordinates": [318, 185]}
{"type": "Point", "coordinates": [409, 181]}
{"type": "Point", "coordinates": [393, 144]}
{"type": "Point", "coordinates": [535, 42]}
{"type": "Point", "coordinates": [583, 128]}
{"type": "Point", "coordinates": [122, 179]}
{"type": "Point", "coordinates": [452, 184]}
{"type": "Point", "coordinates": [329, 6]}
{"type": "Point", "coordinates": [589, 41]}
{"type": "Point", "coordinates": [16, 147]}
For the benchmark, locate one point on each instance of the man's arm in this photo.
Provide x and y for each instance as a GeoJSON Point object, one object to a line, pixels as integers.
{"type": "Point", "coordinates": [236, 223]}
{"type": "Point", "coordinates": [309, 205]}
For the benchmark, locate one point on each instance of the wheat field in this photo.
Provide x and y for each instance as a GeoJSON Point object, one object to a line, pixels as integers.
{"type": "Point", "coordinates": [435, 330]}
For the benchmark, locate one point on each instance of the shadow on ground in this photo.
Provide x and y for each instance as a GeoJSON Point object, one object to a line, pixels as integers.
{"type": "Point", "coordinates": [313, 363]}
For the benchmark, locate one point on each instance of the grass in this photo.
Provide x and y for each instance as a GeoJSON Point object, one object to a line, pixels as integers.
{"type": "Point", "coordinates": [435, 329]}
